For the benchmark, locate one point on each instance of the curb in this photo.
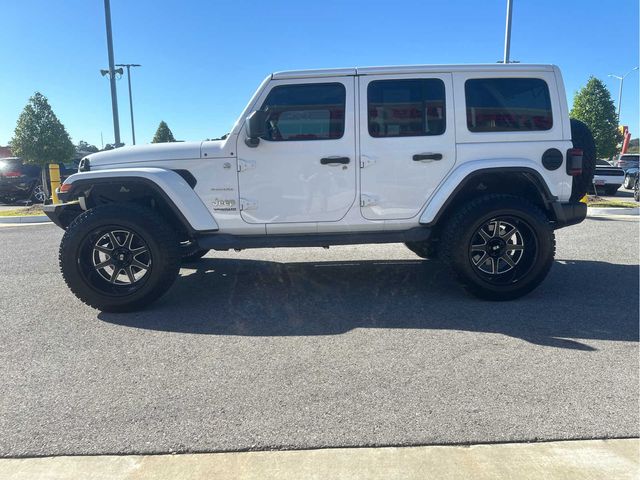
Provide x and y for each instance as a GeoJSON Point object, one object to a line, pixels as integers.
{"type": "Point", "coordinates": [26, 219]}
{"type": "Point", "coordinates": [561, 460]}
{"type": "Point", "coordinates": [613, 211]}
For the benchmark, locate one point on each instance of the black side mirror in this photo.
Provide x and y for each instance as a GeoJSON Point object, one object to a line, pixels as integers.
{"type": "Point", "coordinates": [256, 127]}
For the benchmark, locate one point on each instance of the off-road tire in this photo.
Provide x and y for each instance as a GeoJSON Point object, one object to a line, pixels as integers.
{"type": "Point", "coordinates": [460, 231]}
{"type": "Point", "coordinates": [582, 138]}
{"type": "Point", "coordinates": [423, 249]}
{"type": "Point", "coordinates": [77, 257]}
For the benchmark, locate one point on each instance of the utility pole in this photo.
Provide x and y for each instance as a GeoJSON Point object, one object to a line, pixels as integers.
{"type": "Point", "coordinates": [112, 77]}
{"type": "Point", "coordinates": [507, 32]}
{"type": "Point", "coordinates": [129, 65]}
{"type": "Point", "coordinates": [621, 78]}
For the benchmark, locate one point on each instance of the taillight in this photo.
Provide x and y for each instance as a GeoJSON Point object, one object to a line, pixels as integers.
{"type": "Point", "coordinates": [12, 174]}
{"type": "Point", "coordinates": [65, 187]}
{"type": "Point", "coordinates": [574, 161]}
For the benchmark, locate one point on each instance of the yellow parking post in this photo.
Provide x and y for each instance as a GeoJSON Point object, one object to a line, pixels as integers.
{"type": "Point", "coordinates": [54, 175]}
{"type": "Point", "coordinates": [584, 199]}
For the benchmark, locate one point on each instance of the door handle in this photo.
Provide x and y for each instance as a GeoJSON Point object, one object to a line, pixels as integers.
{"type": "Point", "coordinates": [334, 160]}
{"type": "Point", "coordinates": [427, 156]}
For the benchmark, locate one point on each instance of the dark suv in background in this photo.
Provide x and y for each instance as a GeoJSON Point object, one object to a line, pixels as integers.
{"type": "Point", "coordinates": [23, 183]}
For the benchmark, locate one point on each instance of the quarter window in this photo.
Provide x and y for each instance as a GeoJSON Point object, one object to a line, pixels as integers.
{"type": "Point", "coordinates": [508, 105]}
{"type": "Point", "coordinates": [305, 112]}
{"type": "Point", "coordinates": [406, 108]}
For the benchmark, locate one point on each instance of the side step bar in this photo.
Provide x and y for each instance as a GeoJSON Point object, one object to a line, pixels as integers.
{"type": "Point", "coordinates": [223, 241]}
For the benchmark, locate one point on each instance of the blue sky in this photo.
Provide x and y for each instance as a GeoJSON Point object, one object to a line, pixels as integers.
{"type": "Point", "coordinates": [203, 59]}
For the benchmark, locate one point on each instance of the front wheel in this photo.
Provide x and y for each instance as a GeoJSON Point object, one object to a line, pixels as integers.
{"type": "Point", "coordinates": [119, 258]}
{"type": "Point", "coordinates": [38, 195]}
{"type": "Point", "coordinates": [501, 247]}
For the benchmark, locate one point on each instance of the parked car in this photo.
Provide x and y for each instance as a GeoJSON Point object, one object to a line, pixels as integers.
{"type": "Point", "coordinates": [629, 177]}
{"type": "Point", "coordinates": [607, 178]}
{"type": "Point", "coordinates": [20, 182]}
{"type": "Point", "coordinates": [340, 157]}
{"type": "Point", "coordinates": [636, 187]}
{"type": "Point", "coordinates": [628, 160]}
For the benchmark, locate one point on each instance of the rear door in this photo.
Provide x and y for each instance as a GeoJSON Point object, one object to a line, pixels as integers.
{"type": "Point", "coordinates": [407, 142]}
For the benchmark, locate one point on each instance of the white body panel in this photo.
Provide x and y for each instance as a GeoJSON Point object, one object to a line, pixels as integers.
{"type": "Point", "coordinates": [284, 181]}
{"type": "Point", "coordinates": [285, 189]}
{"type": "Point", "coordinates": [170, 182]}
{"type": "Point", "coordinates": [398, 186]}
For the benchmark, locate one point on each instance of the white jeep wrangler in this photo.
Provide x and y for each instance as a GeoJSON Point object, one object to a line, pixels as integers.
{"type": "Point", "coordinates": [473, 164]}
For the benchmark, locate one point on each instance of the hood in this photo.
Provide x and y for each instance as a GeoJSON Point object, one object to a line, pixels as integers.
{"type": "Point", "coordinates": [155, 152]}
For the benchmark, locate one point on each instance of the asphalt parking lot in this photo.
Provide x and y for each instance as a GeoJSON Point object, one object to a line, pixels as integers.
{"type": "Point", "coordinates": [310, 348]}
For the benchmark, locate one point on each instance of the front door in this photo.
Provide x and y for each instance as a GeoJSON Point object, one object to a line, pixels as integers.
{"type": "Point", "coordinates": [407, 142]}
{"type": "Point", "coordinates": [304, 169]}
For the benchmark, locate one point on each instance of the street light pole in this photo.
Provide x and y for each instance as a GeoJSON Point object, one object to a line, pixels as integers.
{"type": "Point", "coordinates": [112, 77]}
{"type": "Point", "coordinates": [621, 78]}
{"type": "Point", "coordinates": [507, 32]}
{"type": "Point", "coordinates": [129, 65]}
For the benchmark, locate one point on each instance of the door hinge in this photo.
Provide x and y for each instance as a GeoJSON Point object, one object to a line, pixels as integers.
{"type": "Point", "coordinates": [368, 200]}
{"type": "Point", "coordinates": [246, 204]}
{"type": "Point", "coordinates": [365, 161]}
{"type": "Point", "coordinates": [245, 165]}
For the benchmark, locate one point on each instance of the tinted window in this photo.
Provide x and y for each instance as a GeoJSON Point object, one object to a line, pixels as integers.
{"type": "Point", "coordinates": [508, 105]}
{"type": "Point", "coordinates": [406, 108]}
{"type": "Point", "coordinates": [305, 112]}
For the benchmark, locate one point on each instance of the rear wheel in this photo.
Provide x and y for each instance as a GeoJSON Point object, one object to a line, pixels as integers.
{"type": "Point", "coordinates": [119, 258]}
{"type": "Point", "coordinates": [501, 247]}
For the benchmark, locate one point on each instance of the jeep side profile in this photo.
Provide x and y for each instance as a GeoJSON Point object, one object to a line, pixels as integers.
{"type": "Point", "coordinates": [475, 165]}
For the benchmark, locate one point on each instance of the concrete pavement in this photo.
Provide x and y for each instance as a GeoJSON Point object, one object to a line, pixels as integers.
{"type": "Point", "coordinates": [575, 460]}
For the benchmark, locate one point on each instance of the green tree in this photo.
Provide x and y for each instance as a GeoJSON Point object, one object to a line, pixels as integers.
{"type": "Point", "coordinates": [163, 134]}
{"type": "Point", "coordinates": [39, 137]}
{"type": "Point", "coordinates": [593, 105]}
{"type": "Point", "coordinates": [83, 146]}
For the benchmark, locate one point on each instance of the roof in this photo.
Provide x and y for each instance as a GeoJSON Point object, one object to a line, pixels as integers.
{"type": "Point", "coordinates": [382, 70]}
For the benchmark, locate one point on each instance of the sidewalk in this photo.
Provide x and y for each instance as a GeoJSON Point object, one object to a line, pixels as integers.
{"type": "Point", "coordinates": [568, 460]}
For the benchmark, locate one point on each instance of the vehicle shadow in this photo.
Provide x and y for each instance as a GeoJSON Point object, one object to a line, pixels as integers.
{"type": "Point", "coordinates": [261, 298]}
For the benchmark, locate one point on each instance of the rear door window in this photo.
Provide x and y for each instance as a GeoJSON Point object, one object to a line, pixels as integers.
{"type": "Point", "coordinates": [406, 108]}
{"type": "Point", "coordinates": [508, 105]}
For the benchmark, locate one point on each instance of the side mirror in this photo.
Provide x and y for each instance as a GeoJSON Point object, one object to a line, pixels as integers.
{"type": "Point", "coordinates": [256, 127]}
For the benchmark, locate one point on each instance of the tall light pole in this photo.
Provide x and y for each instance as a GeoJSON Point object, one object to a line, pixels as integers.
{"type": "Point", "coordinates": [112, 77]}
{"type": "Point", "coordinates": [129, 65]}
{"type": "Point", "coordinates": [621, 78]}
{"type": "Point", "coordinates": [507, 32]}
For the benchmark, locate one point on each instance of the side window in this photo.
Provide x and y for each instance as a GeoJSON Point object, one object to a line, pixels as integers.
{"type": "Point", "coordinates": [312, 111]}
{"type": "Point", "coordinates": [508, 105]}
{"type": "Point", "coordinates": [406, 108]}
